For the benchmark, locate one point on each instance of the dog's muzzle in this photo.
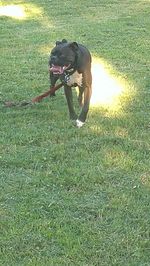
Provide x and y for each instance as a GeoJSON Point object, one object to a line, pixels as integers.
{"type": "Point", "coordinates": [58, 70]}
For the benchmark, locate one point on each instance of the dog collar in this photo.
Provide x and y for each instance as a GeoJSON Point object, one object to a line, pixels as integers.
{"type": "Point", "coordinates": [65, 77]}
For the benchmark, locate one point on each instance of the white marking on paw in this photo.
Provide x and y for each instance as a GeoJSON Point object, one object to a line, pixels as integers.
{"type": "Point", "coordinates": [79, 123]}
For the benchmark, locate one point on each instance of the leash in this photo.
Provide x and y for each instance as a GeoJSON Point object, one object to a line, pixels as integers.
{"type": "Point", "coordinates": [37, 99]}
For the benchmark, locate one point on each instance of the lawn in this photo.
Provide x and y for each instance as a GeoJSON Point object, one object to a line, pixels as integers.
{"type": "Point", "coordinates": [74, 196]}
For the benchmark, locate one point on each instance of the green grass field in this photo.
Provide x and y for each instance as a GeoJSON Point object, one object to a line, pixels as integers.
{"type": "Point", "coordinates": [74, 196]}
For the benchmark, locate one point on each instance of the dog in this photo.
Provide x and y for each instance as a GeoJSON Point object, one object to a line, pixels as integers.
{"type": "Point", "coordinates": [70, 62]}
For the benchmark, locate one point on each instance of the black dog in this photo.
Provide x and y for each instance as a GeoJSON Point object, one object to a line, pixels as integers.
{"type": "Point", "coordinates": [71, 63]}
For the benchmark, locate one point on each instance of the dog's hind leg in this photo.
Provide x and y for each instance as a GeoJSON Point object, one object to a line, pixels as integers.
{"type": "Point", "coordinates": [87, 96]}
{"type": "Point", "coordinates": [80, 96]}
{"type": "Point", "coordinates": [69, 97]}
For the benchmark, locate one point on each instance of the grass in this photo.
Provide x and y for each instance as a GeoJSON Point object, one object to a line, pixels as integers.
{"type": "Point", "coordinates": [75, 196]}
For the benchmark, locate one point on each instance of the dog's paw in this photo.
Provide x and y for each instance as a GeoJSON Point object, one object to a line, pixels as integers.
{"type": "Point", "coordinates": [79, 123]}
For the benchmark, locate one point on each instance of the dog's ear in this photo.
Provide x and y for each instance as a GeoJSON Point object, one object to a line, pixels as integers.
{"type": "Point", "coordinates": [64, 41]}
{"type": "Point", "coordinates": [58, 43]}
{"type": "Point", "coordinates": [74, 46]}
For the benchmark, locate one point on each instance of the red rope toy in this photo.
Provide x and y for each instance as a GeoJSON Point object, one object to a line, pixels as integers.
{"type": "Point", "coordinates": [50, 92]}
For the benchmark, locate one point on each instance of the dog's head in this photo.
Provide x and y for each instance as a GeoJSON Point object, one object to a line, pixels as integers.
{"type": "Point", "coordinates": [63, 56]}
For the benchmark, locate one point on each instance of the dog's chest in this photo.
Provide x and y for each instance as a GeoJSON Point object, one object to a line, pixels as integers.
{"type": "Point", "coordinates": [75, 78]}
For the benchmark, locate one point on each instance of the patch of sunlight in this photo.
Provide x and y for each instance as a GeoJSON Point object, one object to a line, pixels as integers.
{"type": "Point", "coordinates": [107, 89]}
{"type": "Point", "coordinates": [13, 11]}
{"type": "Point", "coordinates": [20, 12]}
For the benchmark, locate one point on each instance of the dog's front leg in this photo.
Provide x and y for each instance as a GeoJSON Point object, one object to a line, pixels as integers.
{"type": "Point", "coordinates": [53, 79]}
{"type": "Point", "coordinates": [69, 97]}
